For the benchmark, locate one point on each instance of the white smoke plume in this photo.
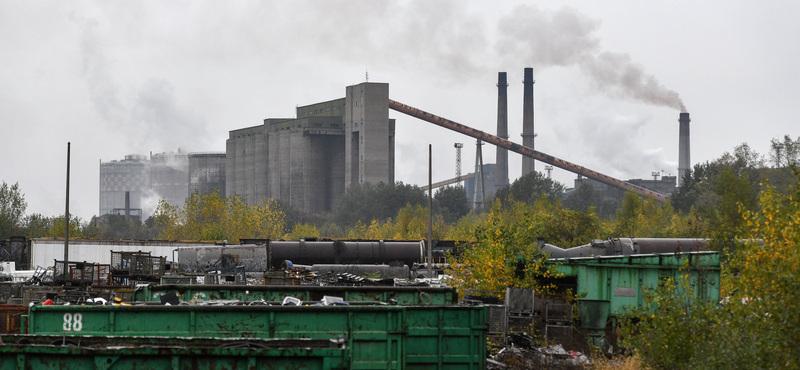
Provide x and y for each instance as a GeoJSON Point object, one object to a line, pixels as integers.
{"type": "Point", "coordinates": [150, 117]}
{"type": "Point", "coordinates": [566, 38]}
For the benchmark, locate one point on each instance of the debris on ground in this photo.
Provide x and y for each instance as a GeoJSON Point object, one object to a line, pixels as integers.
{"type": "Point", "coordinates": [527, 357]}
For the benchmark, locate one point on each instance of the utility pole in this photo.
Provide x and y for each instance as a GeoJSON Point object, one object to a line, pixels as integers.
{"type": "Point", "coordinates": [458, 147]}
{"type": "Point", "coordinates": [66, 225]}
{"type": "Point", "coordinates": [430, 211]}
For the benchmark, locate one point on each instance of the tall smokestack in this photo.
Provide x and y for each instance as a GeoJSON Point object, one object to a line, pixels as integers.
{"type": "Point", "coordinates": [127, 204]}
{"type": "Point", "coordinates": [502, 129]}
{"type": "Point", "coordinates": [684, 161]}
{"type": "Point", "coordinates": [527, 120]}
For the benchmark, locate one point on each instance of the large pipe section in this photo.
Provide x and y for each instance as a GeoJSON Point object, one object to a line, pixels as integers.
{"type": "Point", "coordinates": [521, 149]}
{"type": "Point", "coordinates": [272, 254]}
{"type": "Point", "coordinates": [684, 159]}
{"type": "Point", "coordinates": [502, 129]}
{"type": "Point", "coordinates": [627, 246]}
{"type": "Point", "coordinates": [528, 133]}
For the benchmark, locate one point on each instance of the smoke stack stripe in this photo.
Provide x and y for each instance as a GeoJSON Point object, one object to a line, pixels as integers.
{"type": "Point", "coordinates": [527, 120]}
{"type": "Point", "coordinates": [684, 160]}
{"type": "Point", "coordinates": [502, 129]}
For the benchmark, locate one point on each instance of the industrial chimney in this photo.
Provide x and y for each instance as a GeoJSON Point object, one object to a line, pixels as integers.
{"type": "Point", "coordinates": [502, 130]}
{"type": "Point", "coordinates": [127, 204]}
{"type": "Point", "coordinates": [684, 161]}
{"type": "Point", "coordinates": [527, 120]}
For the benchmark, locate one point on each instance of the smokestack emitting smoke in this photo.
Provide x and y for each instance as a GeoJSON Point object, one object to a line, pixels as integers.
{"type": "Point", "coordinates": [527, 120]}
{"type": "Point", "coordinates": [502, 128]}
{"type": "Point", "coordinates": [566, 37]}
{"type": "Point", "coordinates": [684, 161]}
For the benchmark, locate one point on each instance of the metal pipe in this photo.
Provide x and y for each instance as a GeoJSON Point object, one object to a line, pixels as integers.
{"type": "Point", "coordinates": [525, 151]}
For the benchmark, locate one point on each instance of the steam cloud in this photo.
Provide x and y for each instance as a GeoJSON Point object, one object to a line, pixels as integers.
{"type": "Point", "coordinates": [152, 119]}
{"type": "Point", "coordinates": [450, 42]}
{"type": "Point", "coordinates": [566, 38]}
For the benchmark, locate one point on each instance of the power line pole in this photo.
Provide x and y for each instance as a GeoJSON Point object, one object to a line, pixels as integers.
{"type": "Point", "coordinates": [458, 147]}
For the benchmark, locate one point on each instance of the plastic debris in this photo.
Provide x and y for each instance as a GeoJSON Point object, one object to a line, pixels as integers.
{"type": "Point", "coordinates": [291, 301]}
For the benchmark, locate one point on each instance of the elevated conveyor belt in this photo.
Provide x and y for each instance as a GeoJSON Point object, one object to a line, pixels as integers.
{"type": "Point", "coordinates": [526, 151]}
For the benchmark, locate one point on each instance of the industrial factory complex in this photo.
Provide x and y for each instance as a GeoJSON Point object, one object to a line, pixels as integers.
{"type": "Point", "coordinates": [309, 160]}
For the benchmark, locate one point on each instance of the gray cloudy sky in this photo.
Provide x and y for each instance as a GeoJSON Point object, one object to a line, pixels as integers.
{"type": "Point", "coordinates": [135, 77]}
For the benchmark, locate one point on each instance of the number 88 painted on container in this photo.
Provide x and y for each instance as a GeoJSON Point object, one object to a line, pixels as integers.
{"type": "Point", "coordinates": [73, 323]}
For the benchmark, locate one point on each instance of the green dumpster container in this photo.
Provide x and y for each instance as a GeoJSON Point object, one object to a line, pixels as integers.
{"type": "Point", "coordinates": [379, 337]}
{"type": "Point", "coordinates": [37, 352]}
{"type": "Point", "coordinates": [250, 293]}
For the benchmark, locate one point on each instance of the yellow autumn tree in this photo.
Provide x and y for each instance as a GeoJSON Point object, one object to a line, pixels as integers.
{"type": "Point", "coordinates": [213, 217]}
{"type": "Point", "coordinates": [504, 252]}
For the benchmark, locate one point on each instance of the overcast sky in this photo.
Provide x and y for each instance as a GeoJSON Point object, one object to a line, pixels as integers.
{"type": "Point", "coordinates": [135, 77]}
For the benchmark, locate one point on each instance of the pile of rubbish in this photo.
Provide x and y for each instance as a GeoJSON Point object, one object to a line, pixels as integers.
{"type": "Point", "coordinates": [522, 354]}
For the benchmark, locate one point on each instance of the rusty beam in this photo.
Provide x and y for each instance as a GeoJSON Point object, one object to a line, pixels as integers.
{"type": "Point", "coordinates": [525, 151]}
{"type": "Point", "coordinates": [454, 180]}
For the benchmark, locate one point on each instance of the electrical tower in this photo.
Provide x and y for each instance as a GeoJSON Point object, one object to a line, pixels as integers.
{"type": "Point", "coordinates": [478, 195]}
{"type": "Point", "coordinates": [549, 169]}
{"type": "Point", "coordinates": [458, 147]}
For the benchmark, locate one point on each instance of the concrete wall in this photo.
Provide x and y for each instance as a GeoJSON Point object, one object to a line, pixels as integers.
{"type": "Point", "coordinates": [45, 251]}
{"type": "Point", "coordinates": [247, 153]}
{"type": "Point", "coordinates": [367, 113]}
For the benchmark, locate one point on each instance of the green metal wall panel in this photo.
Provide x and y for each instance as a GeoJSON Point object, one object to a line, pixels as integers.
{"type": "Point", "coordinates": [623, 279]}
{"type": "Point", "coordinates": [445, 338]}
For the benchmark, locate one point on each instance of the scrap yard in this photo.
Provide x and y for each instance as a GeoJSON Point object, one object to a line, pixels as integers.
{"type": "Point", "coordinates": [337, 305]}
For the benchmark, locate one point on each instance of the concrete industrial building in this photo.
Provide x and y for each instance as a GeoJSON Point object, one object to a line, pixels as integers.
{"type": "Point", "coordinates": [664, 185]}
{"type": "Point", "coordinates": [308, 161]}
{"type": "Point", "coordinates": [206, 173]}
{"type": "Point", "coordinates": [168, 176]}
{"type": "Point", "coordinates": [131, 175]}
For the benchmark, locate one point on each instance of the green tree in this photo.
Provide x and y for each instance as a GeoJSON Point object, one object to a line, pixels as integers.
{"type": "Point", "coordinates": [302, 231]}
{"type": "Point", "coordinates": [707, 183]}
{"type": "Point", "coordinates": [786, 153]}
{"type": "Point", "coordinates": [367, 202]}
{"type": "Point", "coordinates": [297, 217]}
{"type": "Point", "coordinates": [121, 227]}
{"type": "Point", "coordinates": [585, 198]}
{"type": "Point", "coordinates": [758, 325]}
{"type": "Point", "coordinates": [452, 203]}
{"type": "Point", "coordinates": [504, 253]}
{"type": "Point", "coordinates": [37, 226]}
{"type": "Point", "coordinates": [77, 228]}
{"type": "Point", "coordinates": [12, 210]}
{"type": "Point", "coordinates": [530, 189]}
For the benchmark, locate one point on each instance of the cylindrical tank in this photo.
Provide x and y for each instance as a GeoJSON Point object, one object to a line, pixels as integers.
{"type": "Point", "coordinates": [344, 252]}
